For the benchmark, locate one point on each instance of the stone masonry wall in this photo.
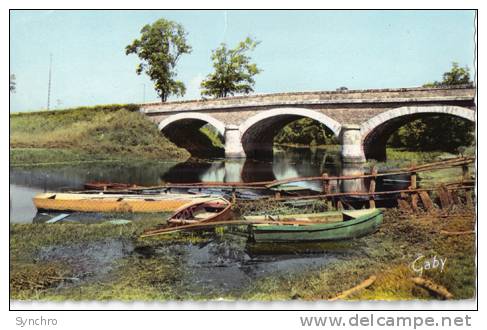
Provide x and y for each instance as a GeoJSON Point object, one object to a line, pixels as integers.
{"type": "Point", "coordinates": [350, 107]}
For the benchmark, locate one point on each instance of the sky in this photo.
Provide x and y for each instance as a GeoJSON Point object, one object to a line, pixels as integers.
{"type": "Point", "coordinates": [299, 51]}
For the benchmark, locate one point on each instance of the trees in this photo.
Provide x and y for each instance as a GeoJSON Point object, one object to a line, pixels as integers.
{"type": "Point", "coordinates": [233, 71]}
{"type": "Point", "coordinates": [305, 131]}
{"type": "Point", "coordinates": [12, 83]}
{"type": "Point", "coordinates": [456, 76]}
{"type": "Point", "coordinates": [159, 48]}
{"type": "Point", "coordinates": [445, 133]}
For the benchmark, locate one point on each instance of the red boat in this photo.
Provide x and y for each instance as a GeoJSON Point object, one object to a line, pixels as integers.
{"type": "Point", "coordinates": [212, 210]}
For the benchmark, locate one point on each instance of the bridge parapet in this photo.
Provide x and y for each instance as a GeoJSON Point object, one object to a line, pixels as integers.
{"type": "Point", "coordinates": [366, 96]}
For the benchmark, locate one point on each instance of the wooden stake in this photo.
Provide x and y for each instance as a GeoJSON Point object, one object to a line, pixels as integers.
{"type": "Point", "coordinates": [413, 181]}
{"type": "Point", "coordinates": [403, 205]}
{"type": "Point", "coordinates": [372, 187]}
{"type": "Point", "coordinates": [365, 284]}
{"type": "Point", "coordinates": [426, 200]}
{"type": "Point", "coordinates": [414, 202]}
{"type": "Point", "coordinates": [432, 287]}
{"type": "Point", "coordinates": [465, 172]}
{"type": "Point", "coordinates": [443, 194]}
{"type": "Point", "coordinates": [326, 183]}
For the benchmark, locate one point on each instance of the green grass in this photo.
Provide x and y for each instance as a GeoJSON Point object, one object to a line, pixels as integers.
{"type": "Point", "coordinates": [86, 134]}
{"type": "Point", "coordinates": [400, 158]}
{"type": "Point", "coordinates": [213, 135]}
{"type": "Point", "coordinates": [386, 254]}
{"type": "Point", "coordinates": [31, 279]}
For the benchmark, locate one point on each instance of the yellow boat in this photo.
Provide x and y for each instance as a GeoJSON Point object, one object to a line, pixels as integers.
{"type": "Point", "coordinates": [79, 202]}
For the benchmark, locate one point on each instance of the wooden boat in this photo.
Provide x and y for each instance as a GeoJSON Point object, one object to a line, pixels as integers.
{"type": "Point", "coordinates": [102, 185]}
{"type": "Point", "coordinates": [200, 212]}
{"type": "Point", "coordinates": [100, 202]}
{"type": "Point", "coordinates": [218, 209]}
{"type": "Point", "coordinates": [328, 226]}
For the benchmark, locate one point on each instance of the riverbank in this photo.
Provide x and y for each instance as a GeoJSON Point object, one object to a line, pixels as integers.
{"type": "Point", "coordinates": [108, 262]}
{"type": "Point", "coordinates": [101, 133]}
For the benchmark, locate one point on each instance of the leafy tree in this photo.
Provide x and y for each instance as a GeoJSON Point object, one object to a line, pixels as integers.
{"type": "Point", "coordinates": [439, 132]}
{"type": "Point", "coordinates": [12, 83]}
{"type": "Point", "coordinates": [159, 48]}
{"type": "Point", "coordinates": [233, 71]}
{"type": "Point", "coordinates": [456, 76]}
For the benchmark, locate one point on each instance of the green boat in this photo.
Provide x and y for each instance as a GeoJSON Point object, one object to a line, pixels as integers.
{"type": "Point", "coordinates": [329, 226]}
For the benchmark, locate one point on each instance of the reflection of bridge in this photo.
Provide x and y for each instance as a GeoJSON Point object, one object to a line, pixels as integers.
{"type": "Point", "coordinates": [361, 119]}
{"type": "Point", "coordinates": [249, 170]}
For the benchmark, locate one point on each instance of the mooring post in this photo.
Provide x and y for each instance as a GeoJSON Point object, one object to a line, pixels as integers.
{"type": "Point", "coordinates": [414, 184]}
{"type": "Point", "coordinates": [325, 183]}
{"type": "Point", "coordinates": [234, 195]}
{"type": "Point", "coordinates": [373, 172]}
{"type": "Point", "coordinates": [277, 194]}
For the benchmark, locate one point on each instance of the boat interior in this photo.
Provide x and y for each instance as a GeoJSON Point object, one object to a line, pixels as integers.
{"type": "Point", "coordinates": [311, 218]}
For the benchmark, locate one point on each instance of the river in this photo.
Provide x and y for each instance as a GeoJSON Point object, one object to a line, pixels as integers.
{"type": "Point", "coordinates": [288, 162]}
{"type": "Point", "coordinates": [221, 265]}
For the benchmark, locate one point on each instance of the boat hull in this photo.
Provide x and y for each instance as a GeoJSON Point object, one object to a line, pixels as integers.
{"type": "Point", "coordinates": [116, 204]}
{"type": "Point", "coordinates": [356, 227]}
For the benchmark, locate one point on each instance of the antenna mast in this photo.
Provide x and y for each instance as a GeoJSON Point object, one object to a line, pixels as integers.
{"type": "Point", "coordinates": [49, 84]}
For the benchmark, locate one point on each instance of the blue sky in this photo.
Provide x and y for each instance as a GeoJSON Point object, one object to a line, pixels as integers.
{"type": "Point", "coordinates": [300, 51]}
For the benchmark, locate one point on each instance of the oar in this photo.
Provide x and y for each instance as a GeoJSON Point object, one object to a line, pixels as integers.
{"type": "Point", "coordinates": [196, 226]}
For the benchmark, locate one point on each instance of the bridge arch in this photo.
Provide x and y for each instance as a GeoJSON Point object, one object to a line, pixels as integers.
{"type": "Point", "coordinates": [183, 129]}
{"type": "Point", "coordinates": [376, 131]}
{"type": "Point", "coordinates": [258, 132]}
{"type": "Point", "coordinates": [193, 117]}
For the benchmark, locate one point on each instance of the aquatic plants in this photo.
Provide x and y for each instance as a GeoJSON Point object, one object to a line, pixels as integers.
{"type": "Point", "coordinates": [154, 269]}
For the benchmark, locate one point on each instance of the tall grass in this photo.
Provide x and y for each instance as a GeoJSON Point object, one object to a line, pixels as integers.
{"type": "Point", "coordinates": [109, 131]}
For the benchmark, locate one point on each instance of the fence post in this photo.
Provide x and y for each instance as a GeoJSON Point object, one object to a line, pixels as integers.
{"type": "Point", "coordinates": [372, 187]}
{"type": "Point", "coordinates": [414, 184]}
{"type": "Point", "coordinates": [465, 172]}
{"type": "Point", "coordinates": [326, 183]}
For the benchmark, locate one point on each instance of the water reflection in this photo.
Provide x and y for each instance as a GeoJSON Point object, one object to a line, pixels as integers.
{"type": "Point", "coordinates": [356, 184]}
{"type": "Point", "coordinates": [288, 162]}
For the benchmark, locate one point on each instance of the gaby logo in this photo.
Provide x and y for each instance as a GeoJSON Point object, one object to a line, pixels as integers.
{"type": "Point", "coordinates": [421, 263]}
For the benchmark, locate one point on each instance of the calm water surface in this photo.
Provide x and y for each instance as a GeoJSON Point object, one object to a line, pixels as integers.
{"type": "Point", "coordinates": [289, 162]}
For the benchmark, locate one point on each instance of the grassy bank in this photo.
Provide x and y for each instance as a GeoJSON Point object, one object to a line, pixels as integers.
{"type": "Point", "coordinates": [114, 132]}
{"type": "Point", "coordinates": [68, 262]}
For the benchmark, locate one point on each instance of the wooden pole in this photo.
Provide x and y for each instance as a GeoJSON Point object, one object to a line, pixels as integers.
{"type": "Point", "coordinates": [414, 184]}
{"type": "Point", "coordinates": [326, 183]}
{"type": "Point", "coordinates": [465, 172]}
{"type": "Point", "coordinates": [433, 287]}
{"type": "Point", "coordinates": [365, 284]}
{"type": "Point", "coordinates": [372, 187]}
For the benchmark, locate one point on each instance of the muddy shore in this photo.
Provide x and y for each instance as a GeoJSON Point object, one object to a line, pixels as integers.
{"type": "Point", "coordinates": [109, 262]}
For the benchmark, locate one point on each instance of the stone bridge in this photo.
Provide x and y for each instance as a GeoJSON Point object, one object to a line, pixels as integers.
{"type": "Point", "coordinates": [362, 120]}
